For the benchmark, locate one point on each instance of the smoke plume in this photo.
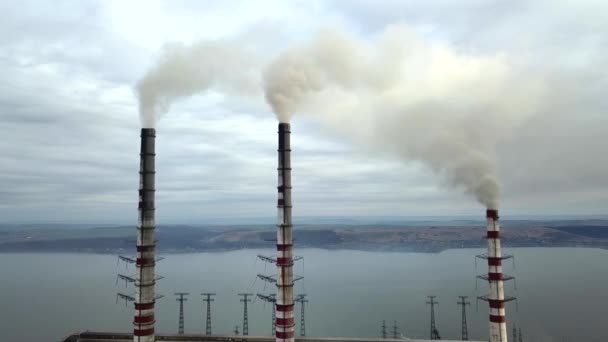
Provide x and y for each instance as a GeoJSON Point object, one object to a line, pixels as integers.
{"type": "Point", "coordinates": [230, 66]}
{"type": "Point", "coordinates": [419, 100]}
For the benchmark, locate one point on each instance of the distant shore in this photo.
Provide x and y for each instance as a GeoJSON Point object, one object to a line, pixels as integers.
{"type": "Point", "coordinates": [382, 237]}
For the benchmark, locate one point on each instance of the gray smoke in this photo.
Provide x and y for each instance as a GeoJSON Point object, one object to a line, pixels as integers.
{"type": "Point", "coordinates": [229, 66]}
{"type": "Point", "coordinates": [420, 100]}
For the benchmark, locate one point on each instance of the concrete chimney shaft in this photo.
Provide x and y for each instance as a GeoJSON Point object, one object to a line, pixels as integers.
{"type": "Point", "coordinates": [496, 295]}
{"type": "Point", "coordinates": [143, 321]}
{"type": "Point", "coordinates": [285, 325]}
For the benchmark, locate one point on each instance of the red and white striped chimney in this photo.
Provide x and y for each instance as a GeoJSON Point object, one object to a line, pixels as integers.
{"type": "Point", "coordinates": [285, 326]}
{"type": "Point", "coordinates": [496, 295]}
{"type": "Point", "coordinates": [143, 322]}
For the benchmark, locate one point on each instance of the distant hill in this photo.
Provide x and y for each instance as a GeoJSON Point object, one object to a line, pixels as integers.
{"type": "Point", "coordinates": [597, 232]}
{"type": "Point", "coordinates": [232, 222]}
{"type": "Point", "coordinates": [412, 236]}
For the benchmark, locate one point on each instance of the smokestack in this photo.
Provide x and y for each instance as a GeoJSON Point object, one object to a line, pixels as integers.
{"type": "Point", "coordinates": [285, 325]}
{"type": "Point", "coordinates": [496, 295]}
{"type": "Point", "coordinates": [143, 322]}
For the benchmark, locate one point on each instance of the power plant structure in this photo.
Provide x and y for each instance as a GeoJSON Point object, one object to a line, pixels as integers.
{"type": "Point", "coordinates": [284, 322]}
{"type": "Point", "coordinates": [495, 278]}
{"type": "Point", "coordinates": [285, 326]}
{"type": "Point", "coordinates": [145, 296]}
{"type": "Point", "coordinates": [145, 259]}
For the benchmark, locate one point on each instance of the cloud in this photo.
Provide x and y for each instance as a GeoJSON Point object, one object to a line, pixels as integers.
{"type": "Point", "coordinates": [68, 114]}
{"type": "Point", "coordinates": [552, 155]}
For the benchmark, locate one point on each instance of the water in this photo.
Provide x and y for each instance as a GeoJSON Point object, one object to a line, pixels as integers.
{"type": "Point", "coordinates": [562, 293]}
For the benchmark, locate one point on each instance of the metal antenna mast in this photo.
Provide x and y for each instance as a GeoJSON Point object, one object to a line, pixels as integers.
{"type": "Point", "coordinates": [465, 331]}
{"type": "Point", "coordinates": [395, 330]}
{"type": "Point", "coordinates": [207, 298]}
{"type": "Point", "coordinates": [301, 298]}
{"type": "Point", "coordinates": [181, 298]}
{"type": "Point", "coordinates": [272, 299]}
{"type": "Point", "coordinates": [245, 300]}
{"type": "Point", "coordinates": [383, 329]}
{"type": "Point", "coordinates": [434, 333]}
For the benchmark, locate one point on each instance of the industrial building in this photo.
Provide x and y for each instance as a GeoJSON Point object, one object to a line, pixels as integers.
{"type": "Point", "coordinates": [283, 300]}
{"type": "Point", "coordinates": [118, 337]}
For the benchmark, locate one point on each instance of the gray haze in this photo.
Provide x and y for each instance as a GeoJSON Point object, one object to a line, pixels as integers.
{"type": "Point", "coordinates": [69, 115]}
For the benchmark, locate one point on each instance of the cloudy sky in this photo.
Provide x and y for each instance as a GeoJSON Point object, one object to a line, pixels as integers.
{"type": "Point", "coordinates": [70, 125]}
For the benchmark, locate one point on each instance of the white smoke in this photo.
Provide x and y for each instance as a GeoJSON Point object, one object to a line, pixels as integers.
{"type": "Point", "coordinates": [420, 100]}
{"type": "Point", "coordinates": [230, 66]}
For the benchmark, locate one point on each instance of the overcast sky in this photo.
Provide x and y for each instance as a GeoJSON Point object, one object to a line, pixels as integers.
{"type": "Point", "coordinates": [70, 125]}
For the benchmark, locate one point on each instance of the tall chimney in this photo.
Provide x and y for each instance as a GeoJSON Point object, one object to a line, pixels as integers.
{"type": "Point", "coordinates": [143, 322]}
{"type": "Point", "coordinates": [285, 325]}
{"type": "Point", "coordinates": [496, 295]}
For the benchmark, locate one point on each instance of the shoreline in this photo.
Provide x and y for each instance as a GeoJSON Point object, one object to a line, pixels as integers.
{"type": "Point", "coordinates": [214, 251]}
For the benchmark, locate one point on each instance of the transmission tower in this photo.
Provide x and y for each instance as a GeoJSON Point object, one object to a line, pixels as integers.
{"type": "Point", "coordinates": [395, 330]}
{"type": "Point", "coordinates": [434, 333]}
{"type": "Point", "coordinates": [521, 339]}
{"type": "Point", "coordinates": [465, 331]}
{"type": "Point", "coordinates": [272, 299]}
{"type": "Point", "coordinates": [207, 299]}
{"type": "Point", "coordinates": [514, 333]}
{"type": "Point", "coordinates": [236, 330]}
{"type": "Point", "coordinates": [181, 298]}
{"type": "Point", "coordinates": [245, 300]}
{"type": "Point", "coordinates": [301, 298]}
{"type": "Point", "coordinates": [383, 329]}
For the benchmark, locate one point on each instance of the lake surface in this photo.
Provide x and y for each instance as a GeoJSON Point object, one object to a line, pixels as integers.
{"type": "Point", "coordinates": [562, 293]}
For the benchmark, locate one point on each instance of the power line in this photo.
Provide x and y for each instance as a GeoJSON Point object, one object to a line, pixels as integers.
{"type": "Point", "coordinates": [272, 299]}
